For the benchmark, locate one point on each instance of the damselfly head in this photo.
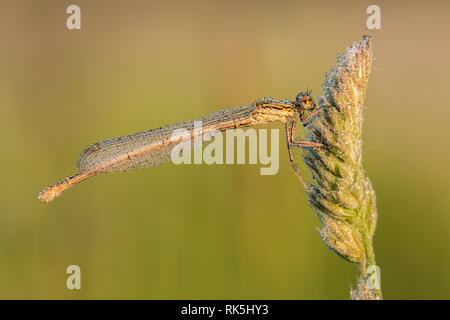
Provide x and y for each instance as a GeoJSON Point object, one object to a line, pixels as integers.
{"type": "Point", "coordinates": [304, 101]}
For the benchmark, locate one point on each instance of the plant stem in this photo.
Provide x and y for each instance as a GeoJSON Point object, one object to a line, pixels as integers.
{"type": "Point", "coordinates": [342, 195]}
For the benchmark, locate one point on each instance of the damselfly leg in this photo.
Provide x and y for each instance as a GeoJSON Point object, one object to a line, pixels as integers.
{"type": "Point", "coordinates": [304, 102]}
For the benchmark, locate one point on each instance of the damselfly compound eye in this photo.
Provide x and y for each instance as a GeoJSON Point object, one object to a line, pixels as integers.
{"type": "Point", "coordinates": [304, 100]}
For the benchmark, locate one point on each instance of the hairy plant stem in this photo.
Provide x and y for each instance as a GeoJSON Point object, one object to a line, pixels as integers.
{"type": "Point", "coordinates": [342, 195]}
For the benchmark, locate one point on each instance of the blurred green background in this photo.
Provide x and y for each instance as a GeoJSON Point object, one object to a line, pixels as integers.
{"type": "Point", "coordinates": [220, 231]}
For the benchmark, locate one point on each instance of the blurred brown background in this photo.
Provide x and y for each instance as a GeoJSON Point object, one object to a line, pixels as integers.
{"type": "Point", "coordinates": [215, 231]}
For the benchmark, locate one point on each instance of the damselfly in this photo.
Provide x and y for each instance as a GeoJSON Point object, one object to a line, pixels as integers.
{"type": "Point", "coordinates": [153, 147]}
